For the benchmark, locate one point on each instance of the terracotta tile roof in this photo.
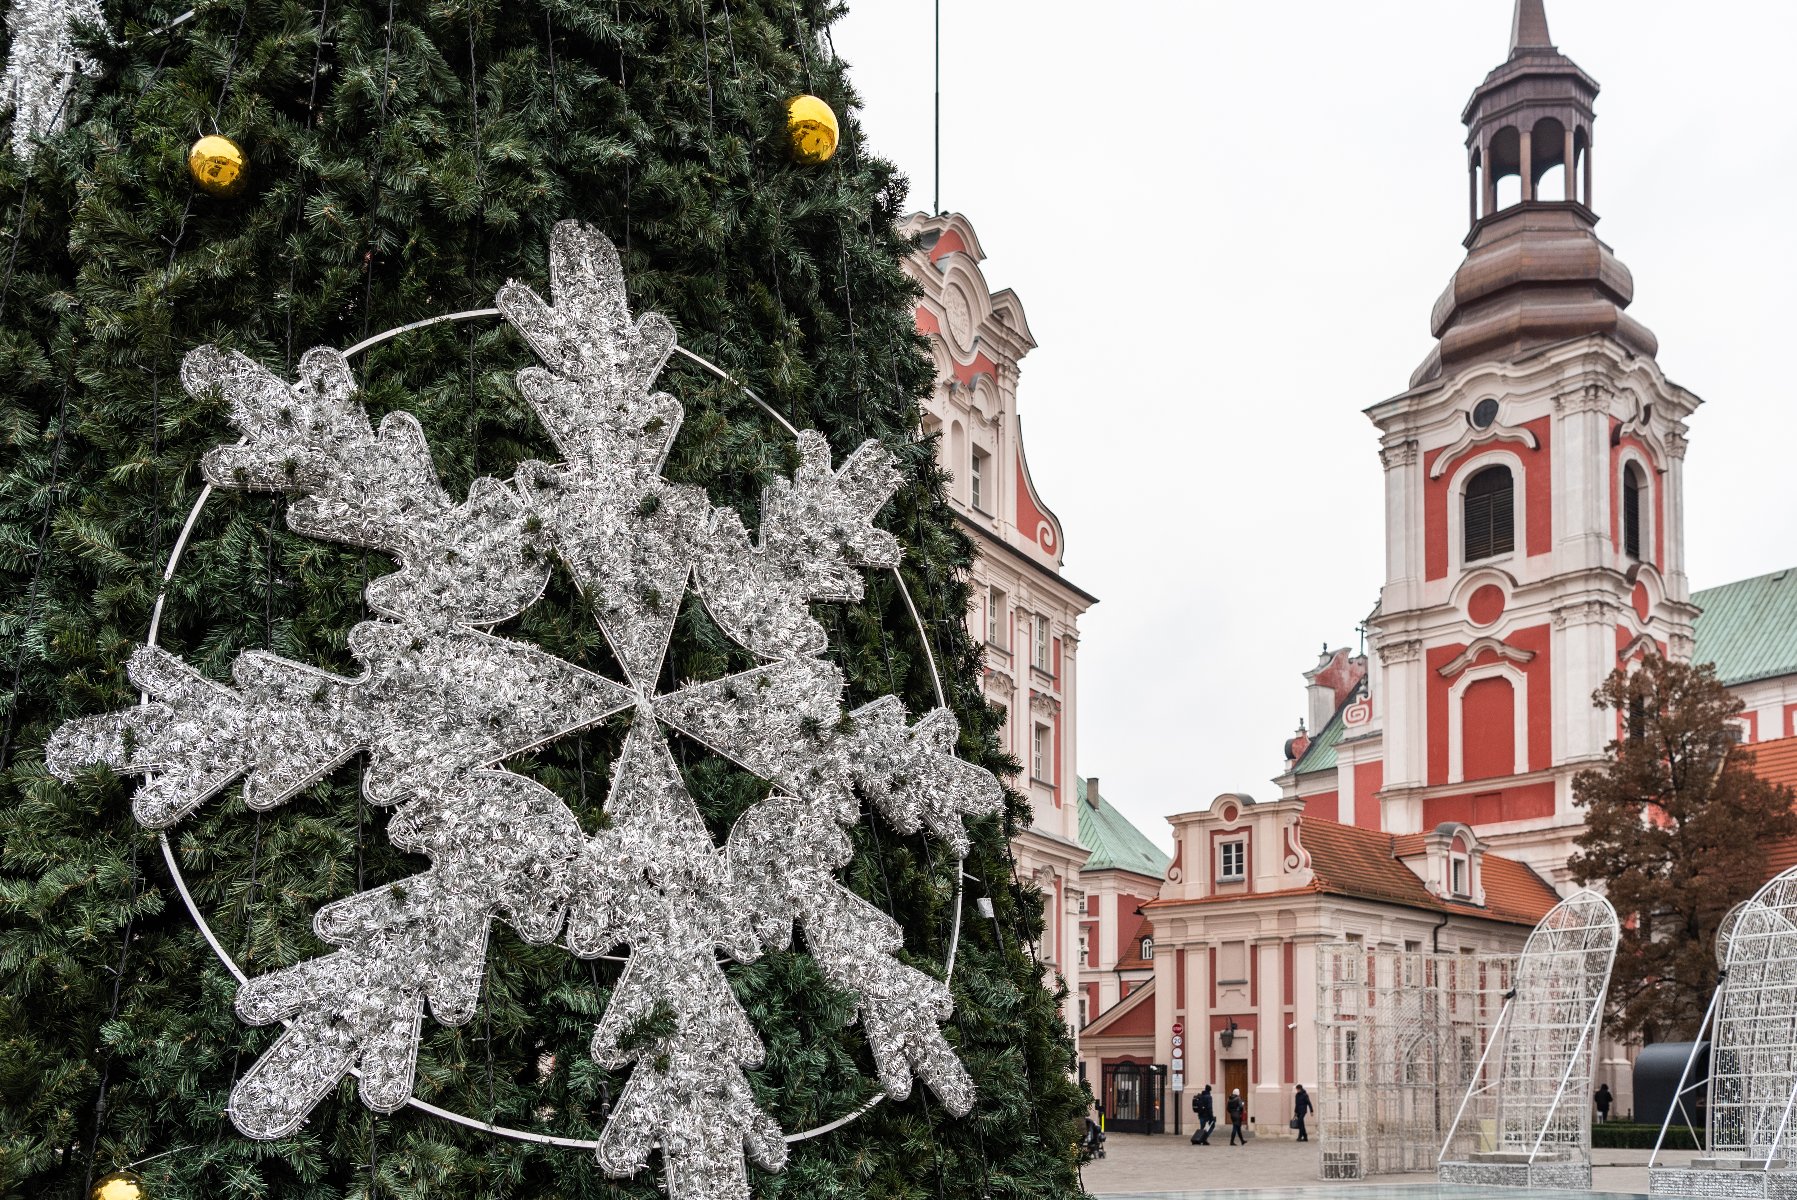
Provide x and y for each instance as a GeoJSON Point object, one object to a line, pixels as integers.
{"type": "Point", "coordinates": [1130, 956]}
{"type": "Point", "coordinates": [1512, 888]}
{"type": "Point", "coordinates": [1776, 761]}
{"type": "Point", "coordinates": [1364, 863]}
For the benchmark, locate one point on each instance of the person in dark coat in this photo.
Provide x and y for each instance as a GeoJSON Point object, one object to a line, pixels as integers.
{"type": "Point", "coordinates": [1237, 1108]}
{"type": "Point", "coordinates": [1301, 1107]}
{"type": "Point", "coordinates": [1206, 1110]}
{"type": "Point", "coordinates": [1603, 1100]}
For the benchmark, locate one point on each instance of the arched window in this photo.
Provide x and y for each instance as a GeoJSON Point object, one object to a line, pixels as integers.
{"type": "Point", "coordinates": [1147, 949]}
{"type": "Point", "coordinates": [1489, 510]}
{"type": "Point", "coordinates": [1632, 487]}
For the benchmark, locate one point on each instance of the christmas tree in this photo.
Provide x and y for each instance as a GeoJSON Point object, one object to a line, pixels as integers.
{"type": "Point", "coordinates": [406, 161]}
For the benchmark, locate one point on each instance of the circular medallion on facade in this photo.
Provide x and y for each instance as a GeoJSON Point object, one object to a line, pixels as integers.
{"type": "Point", "coordinates": [1486, 604]}
{"type": "Point", "coordinates": [960, 317]}
{"type": "Point", "coordinates": [1642, 602]}
{"type": "Point", "coordinates": [1485, 412]}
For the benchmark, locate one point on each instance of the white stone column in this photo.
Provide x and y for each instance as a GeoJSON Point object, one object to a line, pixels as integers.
{"type": "Point", "coordinates": [1403, 525]}
{"type": "Point", "coordinates": [1581, 471]}
{"type": "Point", "coordinates": [1269, 1104]}
{"type": "Point", "coordinates": [1304, 1012]}
{"type": "Point", "coordinates": [1678, 585]}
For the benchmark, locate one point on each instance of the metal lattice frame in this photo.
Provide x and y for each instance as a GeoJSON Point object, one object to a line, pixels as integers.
{"type": "Point", "coordinates": [1752, 1029]}
{"type": "Point", "coordinates": [1524, 1118]}
{"type": "Point", "coordinates": [1398, 1036]}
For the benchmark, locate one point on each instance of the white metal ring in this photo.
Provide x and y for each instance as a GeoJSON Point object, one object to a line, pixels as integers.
{"type": "Point", "coordinates": [230, 964]}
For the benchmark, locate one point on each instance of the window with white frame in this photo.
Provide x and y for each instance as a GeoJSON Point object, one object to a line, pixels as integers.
{"type": "Point", "coordinates": [995, 616]}
{"type": "Point", "coordinates": [1232, 865]}
{"type": "Point", "coordinates": [979, 478]}
{"type": "Point", "coordinates": [1147, 949]}
{"type": "Point", "coordinates": [1634, 484]}
{"type": "Point", "coordinates": [1041, 642]}
{"type": "Point", "coordinates": [1041, 753]}
{"type": "Point", "coordinates": [1459, 870]}
{"type": "Point", "coordinates": [1083, 946]}
{"type": "Point", "coordinates": [1085, 1010]}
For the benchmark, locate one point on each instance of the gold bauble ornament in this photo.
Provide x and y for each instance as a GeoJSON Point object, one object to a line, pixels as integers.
{"type": "Point", "coordinates": [812, 127]}
{"type": "Point", "coordinates": [120, 1185]}
{"type": "Point", "coordinates": [218, 165]}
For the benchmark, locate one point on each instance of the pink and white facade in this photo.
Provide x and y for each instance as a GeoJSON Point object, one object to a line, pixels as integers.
{"type": "Point", "coordinates": [1025, 613]}
{"type": "Point", "coordinates": [1534, 542]}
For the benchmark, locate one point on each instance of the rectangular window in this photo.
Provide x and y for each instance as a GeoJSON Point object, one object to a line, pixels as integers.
{"type": "Point", "coordinates": [1085, 1011]}
{"type": "Point", "coordinates": [1413, 957]}
{"type": "Point", "coordinates": [977, 478]}
{"type": "Point", "coordinates": [1350, 1057]}
{"type": "Point", "coordinates": [1083, 944]}
{"type": "Point", "coordinates": [1041, 657]}
{"type": "Point", "coordinates": [1234, 865]}
{"type": "Point", "coordinates": [1457, 874]}
{"type": "Point", "coordinates": [995, 616]}
{"type": "Point", "coordinates": [1041, 753]}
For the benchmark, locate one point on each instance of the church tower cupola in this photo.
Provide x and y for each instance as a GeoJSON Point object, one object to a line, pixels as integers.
{"type": "Point", "coordinates": [1534, 497]}
{"type": "Point", "coordinates": [1535, 271]}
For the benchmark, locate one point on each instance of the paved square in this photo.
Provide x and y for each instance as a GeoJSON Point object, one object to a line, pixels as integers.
{"type": "Point", "coordinates": [1168, 1167]}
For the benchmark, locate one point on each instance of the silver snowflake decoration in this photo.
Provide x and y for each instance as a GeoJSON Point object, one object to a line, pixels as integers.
{"type": "Point", "coordinates": [41, 65]}
{"type": "Point", "coordinates": [441, 702]}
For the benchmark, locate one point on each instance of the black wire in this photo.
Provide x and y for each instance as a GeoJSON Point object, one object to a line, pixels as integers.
{"type": "Point", "coordinates": [118, 983]}
{"type": "Point", "coordinates": [37, 569]}
{"type": "Point", "coordinates": [705, 40]}
{"type": "Point", "coordinates": [18, 235]}
{"type": "Point", "coordinates": [374, 177]}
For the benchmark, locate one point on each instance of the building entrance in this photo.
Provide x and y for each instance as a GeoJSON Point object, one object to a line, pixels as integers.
{"type": "Point", "coordinates": [1135, 1097]}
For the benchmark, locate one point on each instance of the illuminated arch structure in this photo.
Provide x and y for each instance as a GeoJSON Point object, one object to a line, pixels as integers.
{"type": "Point", "coordinates": [1399, 1033]}
{"type": "Point", "coordinates": [1525, 1119]}
{"type": "Point", "coordinates": [1751, 1111]}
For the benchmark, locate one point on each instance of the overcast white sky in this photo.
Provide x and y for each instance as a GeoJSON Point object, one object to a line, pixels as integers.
{"type": "Point", "coordinates": [1227, 223]}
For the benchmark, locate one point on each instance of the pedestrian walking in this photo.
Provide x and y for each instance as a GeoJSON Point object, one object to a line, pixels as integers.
{"type": "Point", "coordinates": [1237, 1109]}
{"type": "Point", "coordinates": [1206, 1109]}
{"type": "Point", "coordinates": [1301, 1107]}
{"type": "Point", "coordinates": [1603, 1100]}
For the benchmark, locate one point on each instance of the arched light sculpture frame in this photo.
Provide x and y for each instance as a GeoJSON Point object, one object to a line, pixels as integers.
{"type": "Point", "coordinates": [1750, 1118]}
{"type": "Point", "coordinates": [1525, 1120]}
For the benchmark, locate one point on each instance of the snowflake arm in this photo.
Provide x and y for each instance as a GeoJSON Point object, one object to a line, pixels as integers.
{"type": "Point", "coordinates": [656, 880]}
{"type": "Point", "coordinates": [815, 528]}
{"type": "Point", "coordinates": [789, 849]}
{"type": "Point", "coordinates": [480, 562]}
{"type": "Point", "coordinates": [782, 721]}
{"type": "Point", "coordinates": [429, 706]}
{"type": "Point", "coordinates": [501, 845]}
{"type": "Point", "coordinates": [285, 727]}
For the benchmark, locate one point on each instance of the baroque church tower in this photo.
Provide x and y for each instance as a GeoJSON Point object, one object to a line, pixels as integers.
{"type": "Point", "coordinates": [1533, 493]}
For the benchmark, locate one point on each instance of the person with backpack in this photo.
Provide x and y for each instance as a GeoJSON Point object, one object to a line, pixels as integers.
{"type": "Point", "coordinates": [1206, 1111]}
{"type": "Point", "coordinates": [1237, 1109]}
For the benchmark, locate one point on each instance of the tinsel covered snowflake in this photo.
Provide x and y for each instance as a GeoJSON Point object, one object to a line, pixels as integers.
{"type": "Point", "coordinates": [441, 702]}
{"type": "Point", "coordinates": [41, 65]}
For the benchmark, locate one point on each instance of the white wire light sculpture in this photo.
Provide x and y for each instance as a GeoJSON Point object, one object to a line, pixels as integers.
{"type": "Point", "coordinates": [1399, 1033]}
{"type": "Point", "coordinates": [1751, 1028]}
{"type": "Point", "coordinates": [1524, 1120]}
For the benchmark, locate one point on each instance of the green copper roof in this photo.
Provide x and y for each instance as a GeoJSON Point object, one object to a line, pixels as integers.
{"type": "Point", "coordinates": [1749, 628]}
{"type": "Point", "coordinates": [1113, 841]}
{"type": "Point", "coordinates": [1320, 755]}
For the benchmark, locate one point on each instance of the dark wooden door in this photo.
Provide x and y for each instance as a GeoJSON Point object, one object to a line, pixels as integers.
{"type": "Point", "coordinates": [1235, 1078]}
